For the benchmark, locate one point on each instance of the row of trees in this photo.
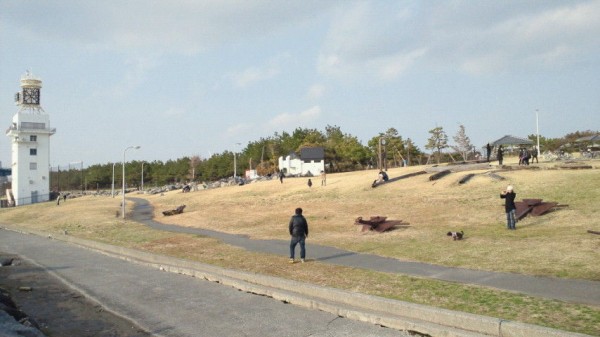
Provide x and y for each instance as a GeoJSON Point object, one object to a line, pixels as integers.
{"type": "Point", "coordinates": [343, 152]}
{"type": "Point", "coordinates": [568, 143]}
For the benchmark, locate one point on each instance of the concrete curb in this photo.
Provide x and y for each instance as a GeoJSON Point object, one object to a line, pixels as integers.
{"type": "Point", "coordinates": [422, 319]}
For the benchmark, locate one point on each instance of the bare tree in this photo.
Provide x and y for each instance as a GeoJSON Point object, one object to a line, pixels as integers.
{"type": "Point", "coordinates": [463, 144]}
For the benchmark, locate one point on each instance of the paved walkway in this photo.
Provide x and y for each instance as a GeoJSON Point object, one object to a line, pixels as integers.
{"type": "Point", "coordinates": [173, 305]}
{"type": "Point", "coordinates": [569, 290]}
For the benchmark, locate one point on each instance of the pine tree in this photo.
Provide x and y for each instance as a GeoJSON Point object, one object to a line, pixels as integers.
{"type": "Point", "coordinates": [437, 141]}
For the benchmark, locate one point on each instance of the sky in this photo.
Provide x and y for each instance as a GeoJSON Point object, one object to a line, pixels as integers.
{"type": "Point", "coordinates": [185, 78]}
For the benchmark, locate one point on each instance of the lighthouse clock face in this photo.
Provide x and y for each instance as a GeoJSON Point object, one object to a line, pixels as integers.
{"type": "Point", "coordinates": [31, 95]}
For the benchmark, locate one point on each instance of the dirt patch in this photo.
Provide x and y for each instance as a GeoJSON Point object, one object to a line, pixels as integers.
{"type": "Point", "coordinates": [59, 310]}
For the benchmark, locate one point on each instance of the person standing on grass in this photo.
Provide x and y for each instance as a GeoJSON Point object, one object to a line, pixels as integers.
{"type": "Point", "coordinates": [510, 207]}
{"type": "Point", "coordinates": [323, 178]}
{"type": "Point", "coordinates": [500, 155]}
{"type": "Point", "coordinates": [298, 228]}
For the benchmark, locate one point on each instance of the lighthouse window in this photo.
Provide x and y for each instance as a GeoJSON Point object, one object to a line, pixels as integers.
{"type": "Point", "coordinates": [33, 166]}
{"type": "Point", "coordinates": [33, 125]}
{"type": "Point", "coordinates": [33, 138]}
{"type": "Point", "coordinates": [33, 152]}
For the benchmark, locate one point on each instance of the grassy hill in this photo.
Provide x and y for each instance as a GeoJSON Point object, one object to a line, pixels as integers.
{"type": "Point", "coordinates": [555, 244]}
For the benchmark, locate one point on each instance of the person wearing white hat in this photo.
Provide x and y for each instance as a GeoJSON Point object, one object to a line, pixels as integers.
{"type": "Point", "coordinates": [509, 206]}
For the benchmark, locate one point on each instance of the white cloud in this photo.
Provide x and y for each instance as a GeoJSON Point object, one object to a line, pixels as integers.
{"type": "Point", "coordinates": [522, 38]}
{"type": "Point", "coordinates": [302, 118]}
{"type": "Point", "coordinates": [368, 38]}
{"type": "Point", "coordinates": [386, 40]}
{"type": "Point", "coordinates": [174, 112]}
{"type": "Point", "coordinates": [255, 74]}
{"type": "Point", "coordinates": [237, 129]}
{"type": "Point", "coordinates": [136, 73]}
{"type": "Point", "coordinates": [316, 91]}
{"type": "Point", "coordinates": [176, 26]}
{"type": "Point", "coordinates": [393, 66]}
{"type": "Point", "coordinates": [484, 64]}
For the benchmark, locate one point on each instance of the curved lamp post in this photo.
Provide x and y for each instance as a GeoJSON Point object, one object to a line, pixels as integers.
{"type": "Point", "coordinates": [123, 190]}
{"type": "Point", "coordinates": [235, 164]}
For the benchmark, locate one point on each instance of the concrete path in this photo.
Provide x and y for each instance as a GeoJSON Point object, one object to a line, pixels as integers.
{"type": "Point", "coordinates": [170, 304]}
{"type": "Point", "coordinates": [569, 290]}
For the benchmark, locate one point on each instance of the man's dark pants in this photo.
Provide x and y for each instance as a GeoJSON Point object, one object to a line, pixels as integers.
{"type": "Point", "coordinates": [297, 240]}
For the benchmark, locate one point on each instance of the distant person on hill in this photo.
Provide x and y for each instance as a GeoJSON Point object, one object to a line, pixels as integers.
{"type": "Point", "coordinates": [382, 177]}
{"type": "Point", "coordinates": [500, 155]}
{"type": "Point", "coordinates": [323, 178]}
{"type": "Point", "coordinates": [281, 175]}
{"type": "Point", "coordinates": [521, 156]}
{"type": "Point", "coordinates": [489, 151]}
{"type": "Point", "coordinates": [298, 228]}
{"type": "Point", "coordinates": [509, 206]}
{"type": "Point", "coordinates": [534, 153]}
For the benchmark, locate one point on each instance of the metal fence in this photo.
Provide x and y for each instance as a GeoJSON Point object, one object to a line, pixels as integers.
{"type": "Point", "coordinates": [28, 200]}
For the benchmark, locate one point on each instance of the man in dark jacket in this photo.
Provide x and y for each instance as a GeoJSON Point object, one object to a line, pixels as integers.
{"type": "Point", "coordinates": [299, 231]}
{"type": "Point", "coordinates": [510, 207]}
{"type": "Point", "coordinates": [500, 155]}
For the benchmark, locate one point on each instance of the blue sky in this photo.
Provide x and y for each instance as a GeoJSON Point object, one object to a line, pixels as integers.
{"type": "Point", "coordinates": [183, 78]}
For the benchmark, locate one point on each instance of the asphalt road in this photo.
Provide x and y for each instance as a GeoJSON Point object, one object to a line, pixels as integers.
{"type": "Point", "coordinates": [167, 304]}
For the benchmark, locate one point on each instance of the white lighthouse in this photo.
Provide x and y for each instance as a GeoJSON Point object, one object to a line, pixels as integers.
{"type": "Point", "coordinates": [30, 138]}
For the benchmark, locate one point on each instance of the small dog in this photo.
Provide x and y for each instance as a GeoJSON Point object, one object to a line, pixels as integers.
{"type": "Point", "coordinates": [456, 235]}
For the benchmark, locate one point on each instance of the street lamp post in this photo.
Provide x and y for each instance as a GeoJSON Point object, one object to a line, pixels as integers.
{"type": "Point", "coordinates": [113, 182]}
{"type": "Point", "coordinates": [123, 190]}
{"type": "Point", "coordinates": [408, 141]}
{"type": "Point", "coordinates": [83, 188]}
{"type": "Point", "coordinates": [537, 130]}
{"type": "Point", "coordinates": [381, 160]}
{"type": "Point", "coordinates": [143, 176]}
{"type": "Point", "coordinates": [235, 163]}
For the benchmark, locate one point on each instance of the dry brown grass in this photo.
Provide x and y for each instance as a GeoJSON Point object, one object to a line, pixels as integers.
{"type": "Point", "coordinates": [554, 244]}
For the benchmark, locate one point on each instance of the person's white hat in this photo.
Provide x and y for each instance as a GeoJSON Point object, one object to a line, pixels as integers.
{"type": "Point", "coordinates": [509, 188]}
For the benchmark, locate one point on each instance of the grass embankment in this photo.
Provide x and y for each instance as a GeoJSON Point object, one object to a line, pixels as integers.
{"type": "Point", "coordinates": [555, 244]}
